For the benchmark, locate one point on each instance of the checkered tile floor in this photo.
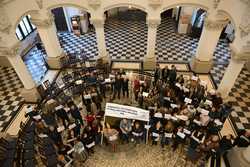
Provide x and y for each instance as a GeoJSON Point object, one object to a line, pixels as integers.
{"type": "Point", "coordinates": [10, 98]}
{"type": "Point", "coordinates": [74, 44]}
{"type": "Point", "coordinates": [240, 96]}
{"type": "Point", "coordinates": [36, 64]}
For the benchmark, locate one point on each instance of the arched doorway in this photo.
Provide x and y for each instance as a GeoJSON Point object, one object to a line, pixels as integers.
{"type": "Point", "coordinates": [126, 33]}
{"type": "Point", "coordinates": [178, 34]}
{"type": "Point", "coordinates": [33, 52]}
{"type": "Point", "coordinates": [75, 31]}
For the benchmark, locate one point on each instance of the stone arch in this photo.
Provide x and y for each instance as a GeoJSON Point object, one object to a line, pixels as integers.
{"type": "Point", "coordinates": [49, 8]}
{"type": "Point", "coordinates": [184, 4]}
{"type": "Point", "coordinates": [225, 15]}
{"type": "Point", "coordinates": [126, 5]}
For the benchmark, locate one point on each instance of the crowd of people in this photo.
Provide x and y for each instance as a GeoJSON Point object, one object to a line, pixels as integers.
{"type": "Point", "coordinates": [183, 113]}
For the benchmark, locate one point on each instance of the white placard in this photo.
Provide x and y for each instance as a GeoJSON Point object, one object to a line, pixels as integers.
{"type": "Point", "coordinates": [87, 64]}
{"type": "Point", "coordinates": [185, 89]}
{"type": "Point", "coordinates": [208, 102]}
{"type": "Point", "coordinates": [203, 83]}
{"type": "Point", "coordinates": [174, 118]}
{"type": "Point", "coordinates": [187, 100]}
{"type": "Point", "coordinates": [182, 135]}
{"type": "Point", "coordinates": [167, 116]}
{"type": "Point", "coordinates": [59, 107]}
{"type": "Point", "coordinates": [93, 94]}
{"type": "Point", "coordinates": [107, 80]}
{"type": "Point", "coordinates": [178, 85]}
{"type": "Point", "coordinates": [145, 94]}
{"type": "Point", "coordinates": [158, 115]}
{"type": "Point", "coordinates": [70, 151]}
{"type": "Point", "coordinates": [78, 82]}
{"type": "Point", "coordinates": [60, 128]}
{"type": "Point", "coordinates": [204, 112]}
{"type": "Point", "coordinates": [129, 112]}
{"type": "Point", "coordinates": [218, 122]}
{"type": "Point", "coordinates": [111, 76]}
{"type": "Point", "coordinates": [88, 96]}
{"type": "Point", "coordinates": [90, 145]}
{"type": "Point", "coordinates": [186, 131]}
{"type": "Point", "coordinates": [147, 126]}
{"type": "Point", "coordinates": [61, 86]}
{"type": "Point", "coordinates": [142, 82]}
{"type": "Point", "coordinates": [113, 138]}
{"type": "Point", "coordinates": [152, 108]}
{"type": "Point", "coordinates": [168, 135]}
{"type": "Point", "coordinates": [194, 78]}
{"type": "Point", "coordinates": [37, 117]}
{"type": "Point", "coordinates": [167, 98]}
{"type": "Point", "coordinates": [66, 109]}
{"type": "Point", "coordinates": [182, 117]}
{"type": "Point", "coordinates": [42, 135]}
{"type": "Point", "coordinates": [173, 105]}
{"type": "Point", "coordinates": [155, 134]}
{"type": "Point", "coordinates": [72, 126]}
{"type": "Point", "coordinates": [137, 134]}
{"type": "Point", "coordinates": [197, 122]}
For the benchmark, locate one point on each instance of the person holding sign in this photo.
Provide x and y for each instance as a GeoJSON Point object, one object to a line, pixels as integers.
{"type": "Point", "coordinates": [125, 127]}
{"type": "Point", "coordinates": [88, 139]}
{"type": "Point", "coordinates": [167, 134]}
{"type": "Point", "coordinates": [156, 133]}
{"type": "Point", "coordinates": [137, 133]}
{"type": "Point", "coordinates": [111, 135]}
{"type": "Point", "coordinates": [75, 113]}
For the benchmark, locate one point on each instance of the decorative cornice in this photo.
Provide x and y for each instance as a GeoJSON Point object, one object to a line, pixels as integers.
{"type": "Point", "coordinates": [39, 3]}
{"type": "Point", "coordinates": [97, 22]}
{"type": "Point", "coordinates": [247, 2]}
{"type": "Point", "coordinates": [243, 55]}
{"type": "Point", "coordinates": [155, 3]}
{"type": "Point", "coordinates": [245, 23]}
{"type": "Point", "coordinates": [10, 51]}
{"type": "Point", "coordinates": [5, 24]}
{"type": "Point", "coordinates": [216, 3]}
{"type": "Point", "coordinates": [94, 3]}
{"type": "Point", "coordinates": [153, 23]}
{"type": "Point", "coordinates": [215, 24]}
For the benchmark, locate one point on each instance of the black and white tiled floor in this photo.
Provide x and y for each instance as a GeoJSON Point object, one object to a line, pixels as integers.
{"type": "Point", "coordinates": [35, 62]}
{"type": "Point", "coordinates": [126, 40]}
{"type": "Point", "coordinates": [10, 98]}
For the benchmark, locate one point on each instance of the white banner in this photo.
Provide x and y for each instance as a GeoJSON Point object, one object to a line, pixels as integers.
{"type": "Point", "coordinates": [122, 111]}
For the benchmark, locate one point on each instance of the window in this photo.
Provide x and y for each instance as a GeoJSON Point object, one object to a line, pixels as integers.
{"type": "Point", "coordinates": [24, 28]}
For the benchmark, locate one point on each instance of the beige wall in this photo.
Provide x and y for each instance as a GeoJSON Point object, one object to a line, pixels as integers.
{"type": "Point", "coordinates": [4, 62]}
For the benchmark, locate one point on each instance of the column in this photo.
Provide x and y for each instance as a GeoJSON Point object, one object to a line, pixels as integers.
{"type": "Point", "coordinates": [100, 37]}
{"type": "Point", "coordinates": [150, 58]}
{"type": "Point", "coordinates": [203, 59]}
{"type": "Point", "coordinates": [233, 70]}
{"type": "Point", "coordinates": [239, 157]}
{"type": "Point", "coordinates": [29, 92]}
{"type": "Point", "coordinates": [47, 32]}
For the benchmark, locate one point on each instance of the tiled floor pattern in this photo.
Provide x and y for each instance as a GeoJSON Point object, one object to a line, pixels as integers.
{"type": "Point", "coordinates": [35, 62]}
{"type": "Point", "coordinates": [10, 98]}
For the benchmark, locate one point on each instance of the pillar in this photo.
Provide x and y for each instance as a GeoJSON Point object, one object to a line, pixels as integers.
{"type": "Point", "coordinates": [203, 60]}
{"type": "Point", "coordinates": [47, 32]}
{"type": "Point", "coordinates": [150, 58]}
{"type": "Point", "coordinates": [239, 157]}
{"type": "Point", "coordinates": [100, 37]}
{"type": "Point", "coordinates": [184, 25]}
{"type": "Point", "coordinates": [29, 92]}
{"type": "Point", "coordinates": [233, 70]}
